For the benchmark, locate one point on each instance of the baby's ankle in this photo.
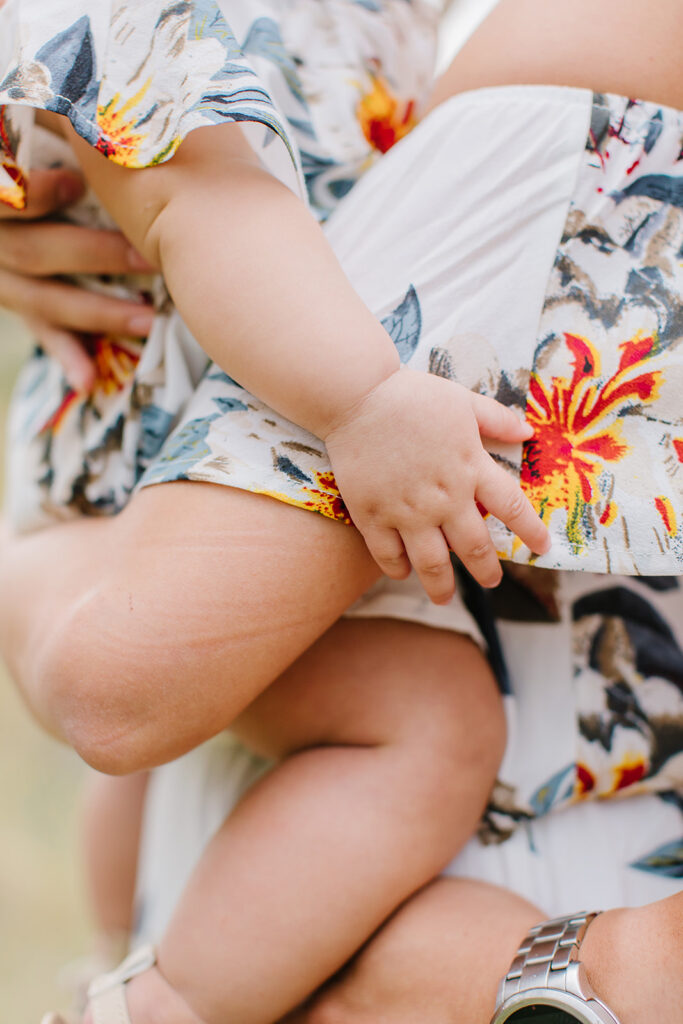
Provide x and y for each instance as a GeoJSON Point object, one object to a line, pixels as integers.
{"type": "Point", "coordinates": [151, 1000]}
{"type": "Point", "coordinates": [633, 958]}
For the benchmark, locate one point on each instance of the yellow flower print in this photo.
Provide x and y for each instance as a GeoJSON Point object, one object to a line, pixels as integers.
{"type": "Point", "coordinates": [667, 513]}
{"type": "Point", "coordinates": [382, 117]}
{"type": "Point", "coordinates": [120, 139]}
{"type": "Point", "coordinates": [324, 499]}
{"type": "Point", "coordinates": [577, 430]}
{"type": "Point", "coordinates": [115, 362]}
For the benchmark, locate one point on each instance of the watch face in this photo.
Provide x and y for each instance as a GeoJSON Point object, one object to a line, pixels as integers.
{"type": "Point", "coordinates": [541, 1015]}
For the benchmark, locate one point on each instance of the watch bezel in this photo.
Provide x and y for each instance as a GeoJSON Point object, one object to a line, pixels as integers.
{"type": "Point", "coordinates": [585, 1011]}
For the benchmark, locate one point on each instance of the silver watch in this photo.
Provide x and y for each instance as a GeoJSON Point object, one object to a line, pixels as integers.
{"type": "Point", "coordinates": [547, 983]}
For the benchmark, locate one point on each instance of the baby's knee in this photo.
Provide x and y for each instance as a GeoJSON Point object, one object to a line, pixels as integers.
{"type": "Point", "coordinates": [95, 681]}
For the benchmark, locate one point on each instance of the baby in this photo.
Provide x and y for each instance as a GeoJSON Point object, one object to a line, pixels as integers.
{"type": "Point", "coordinates": [387, 734]}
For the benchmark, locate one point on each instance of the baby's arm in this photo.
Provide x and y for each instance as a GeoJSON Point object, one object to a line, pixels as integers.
{"type": "Point", "coordinates": [255, 279]}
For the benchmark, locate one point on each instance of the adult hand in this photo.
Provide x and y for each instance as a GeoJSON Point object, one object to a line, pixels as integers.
{"type": "Point", "coordinates": [33, 252]}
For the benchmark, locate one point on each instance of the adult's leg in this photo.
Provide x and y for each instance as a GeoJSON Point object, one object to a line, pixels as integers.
{"type": "Point", "coordinates": [440, 959]}
{"type": "Point", "coordinates": [138, 637]}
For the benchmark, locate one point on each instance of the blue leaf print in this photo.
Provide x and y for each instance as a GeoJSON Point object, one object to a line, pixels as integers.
{"type": "Point", "coordinates": [662, 187]}
{"type": "Point", "coordinates": [156, 424]}
{"type": "Point", "coordinates": [264, 40]}
{"type": "Point", "coordinates": [556, 790]}
{"type": "Point", "coordinates": [342, 187]}
{"type": "Point", "coordinates": [181, 453]}
{"type": "Point", "coordinates": [230, 404]}
{"type": "Point", "coordinates": [667, 860]}
{"type": "Point", "coordinates": [70, 59]}
{"type": "Point", "coordinates": [207, 22]}
{"type": "Point", "coordinates": [285, 465]}
{"type": "Point", "coordinates": [655, 129]}
{"type": "Point", "coordinates": [404, 325]}
{"type": "Point", "coordinates": [305, 127]}
{"type": "Point", "coordinates": [221, 376]}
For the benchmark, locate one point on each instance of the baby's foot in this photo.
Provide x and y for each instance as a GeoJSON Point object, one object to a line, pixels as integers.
{"type": "Point", "coordinates": [151, 1000]}
{"type": "Point", "coordinates": [633, 960]}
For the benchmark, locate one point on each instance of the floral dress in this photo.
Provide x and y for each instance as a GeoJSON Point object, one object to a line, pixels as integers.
{"type": "Point", "coordinates": [526, 243]}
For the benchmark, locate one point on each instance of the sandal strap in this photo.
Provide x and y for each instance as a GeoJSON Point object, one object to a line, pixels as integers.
{"type": "Point", "coordinates": [106, 994]}
{"type": "Point", "coordinates": [110, 1007]}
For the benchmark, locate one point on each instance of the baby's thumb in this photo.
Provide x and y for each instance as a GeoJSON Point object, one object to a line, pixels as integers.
{"type": "Point", "coordinates": [497, 421]}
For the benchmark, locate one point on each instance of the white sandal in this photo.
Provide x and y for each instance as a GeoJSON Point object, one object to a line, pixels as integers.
{"type": "Point", "coordinates": [106, 995]}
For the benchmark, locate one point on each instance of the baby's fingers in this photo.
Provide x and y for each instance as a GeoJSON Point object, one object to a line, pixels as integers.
{"type": "Point", "coordinates": [501, 495]}
{"type": "Point", "coordinates": [496, 420]}
{"type": "Point", "coordinates": [469, 538]}
{"type": "Point", "coordinates": [386, 547]}
{"type": "Point", "coordinates": [429, 555]}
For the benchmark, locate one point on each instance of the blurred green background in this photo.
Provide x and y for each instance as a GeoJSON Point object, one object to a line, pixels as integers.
{"type": "Point", "coordinates": [43, 919]}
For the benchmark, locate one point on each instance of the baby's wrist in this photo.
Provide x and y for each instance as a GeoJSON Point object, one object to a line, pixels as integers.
{"type": "Point", "coordinates": [349, 411]}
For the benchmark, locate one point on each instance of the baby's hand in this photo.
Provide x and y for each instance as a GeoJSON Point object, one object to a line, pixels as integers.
{"type": "Point", "coordinates": [411, 466]}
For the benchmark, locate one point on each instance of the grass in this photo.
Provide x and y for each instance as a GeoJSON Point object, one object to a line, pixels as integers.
{"type": "Point", "coordinates": [43, 920]}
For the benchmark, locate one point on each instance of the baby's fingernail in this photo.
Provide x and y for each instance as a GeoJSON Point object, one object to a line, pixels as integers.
{"type": "Point", "coordinates": [493, 583]}
{"type": "Point", "coordinates": [140, 324]}
{"type": "Point", "coordinates": [137, 261]}
{"type": "Point", "coordinates": [70, 189]}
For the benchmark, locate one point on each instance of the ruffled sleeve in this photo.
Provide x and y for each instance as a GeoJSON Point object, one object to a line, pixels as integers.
{"type": "Point", "coordinates": [134, 79]}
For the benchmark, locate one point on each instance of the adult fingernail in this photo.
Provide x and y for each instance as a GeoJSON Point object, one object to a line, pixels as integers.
{"type": "Point", "coordinates": [140, 324]}
{"type": "Point", "coordinates": [70, 189]}
{"type": "Point", "coordinates": [81, 378]}
{"type": "Point", "coordinates": [137, 261]}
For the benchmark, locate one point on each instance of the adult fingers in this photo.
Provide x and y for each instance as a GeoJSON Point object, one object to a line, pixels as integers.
{"type": "Point", "coordinates": [69, 351]}
{"type": "Point", "coordinates": [46, 249]}
{"type": "Point", "coordinates": [386, 547]}
{"type": "Point", "coordinates": [501, 495]}
{"type": "Point", "coordinates": [429, 555]}
{"type": "Point", "coordinates": [469, 537]}
{"type": "Point", "coordinates": [48, 191]}
{"type": "Point", "coordinates": [496, 420]}
{"type": "Point", "coordinates": [73, 309]}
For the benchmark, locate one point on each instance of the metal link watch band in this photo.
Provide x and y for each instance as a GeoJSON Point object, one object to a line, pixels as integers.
{"type": "Point", "coordinates": [545, 954]}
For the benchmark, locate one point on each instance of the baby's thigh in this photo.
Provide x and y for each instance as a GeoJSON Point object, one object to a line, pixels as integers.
{"type": "Point", "coordinates": [384, 683]}
{"type": "Point", "coordinates": [187, 606]}
{"type": "Point", "coordinates": [224, 569]}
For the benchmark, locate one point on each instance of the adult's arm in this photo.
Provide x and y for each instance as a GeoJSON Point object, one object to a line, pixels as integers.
{"type": "Point", "coordinates": [35, 252]}
{"type": "Point", "coordinates": [440, 957]}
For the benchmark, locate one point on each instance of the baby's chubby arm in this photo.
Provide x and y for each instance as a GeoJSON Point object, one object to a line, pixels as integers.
{"type": "Point", "coordinates": [254, 278]}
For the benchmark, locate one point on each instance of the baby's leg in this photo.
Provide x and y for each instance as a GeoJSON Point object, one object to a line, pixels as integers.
{"type": "Point", "coordinates": [391, 735]}
{"type": "Point", "coordinates": [137, 638]}
{"type": "Point", "coordinates": [111, 827]}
